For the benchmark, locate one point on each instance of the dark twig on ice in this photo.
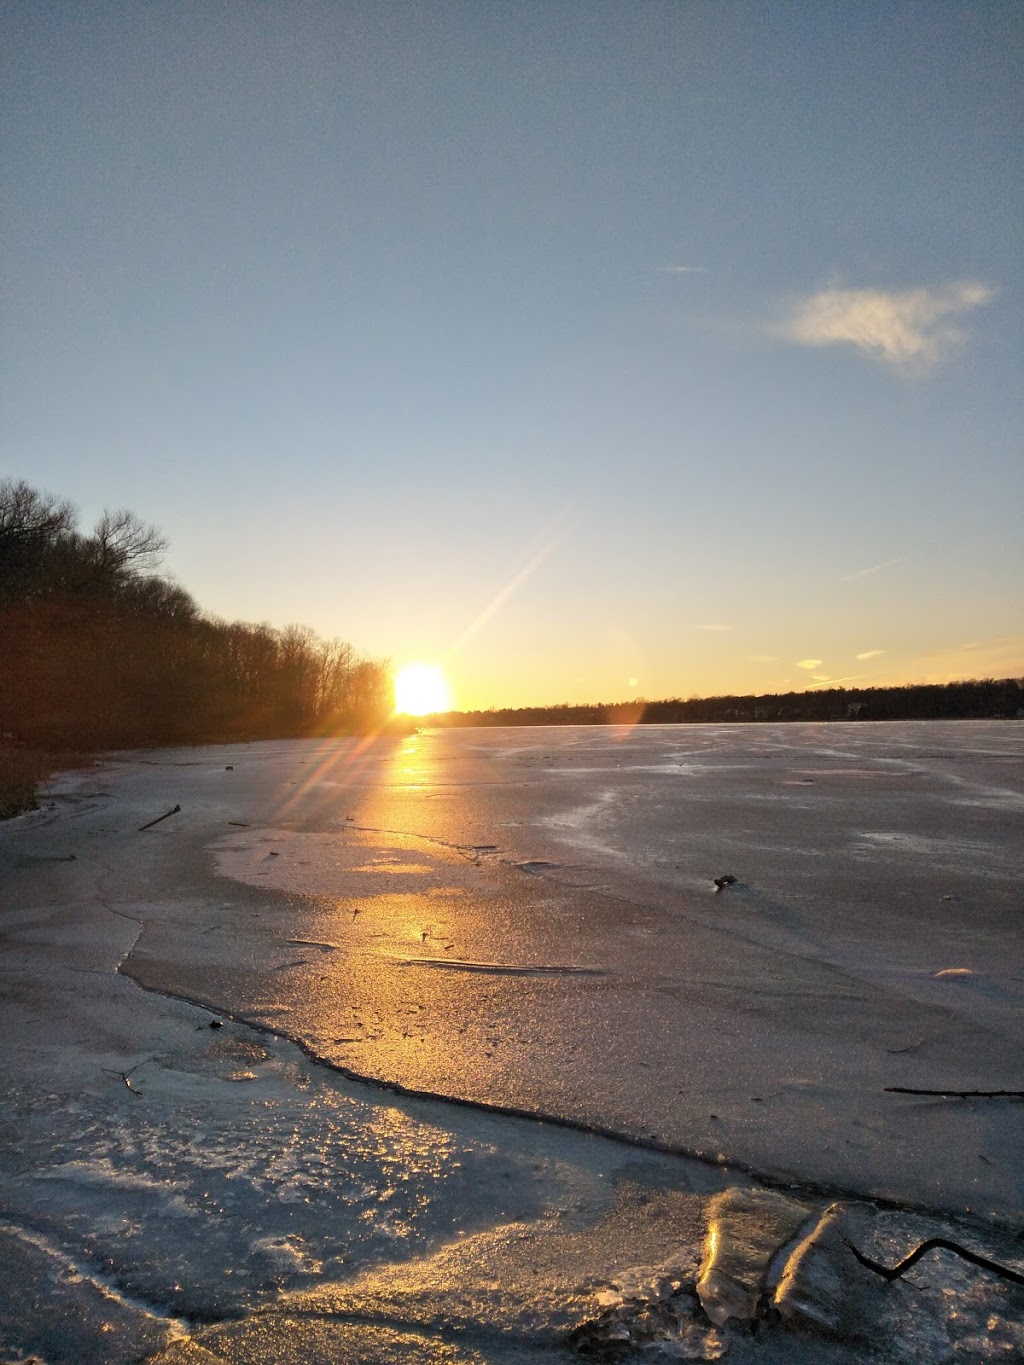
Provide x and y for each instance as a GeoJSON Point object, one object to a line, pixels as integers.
{"type": "Point", "coordinates": [936, 1243]}
{"type": "Point", "coordinates": [958, 1094]}
{"type": "Point", "coordinates": [173, 811]}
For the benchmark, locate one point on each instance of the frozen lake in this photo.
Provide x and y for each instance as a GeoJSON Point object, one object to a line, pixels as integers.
{"type": "Point", "coordinates": [526, 921]}
{"type": "Point", "coordinates": [528, 918]}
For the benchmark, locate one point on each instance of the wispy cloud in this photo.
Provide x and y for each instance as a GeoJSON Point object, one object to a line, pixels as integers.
{"type": "Point", "coordinates": [717, 628]}
{"type": "Point", "coordinates": [682, 269]}
{"type": "Point", "coordinates": [874, 568]}
{"type": "Point", "coordinates": [908, 330]}
{"type": "Point", "coordinates": [835, 682]}
{"type": "Point", "coordinates": [809, 663]}
{"type": "Point", "coordinates": [870, 654]}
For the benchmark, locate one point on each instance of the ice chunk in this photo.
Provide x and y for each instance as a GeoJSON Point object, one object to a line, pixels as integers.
{"type": "Point", "coordinates": [746, 1227]}
{"type": "Point", "coordinates": [824, 1287]}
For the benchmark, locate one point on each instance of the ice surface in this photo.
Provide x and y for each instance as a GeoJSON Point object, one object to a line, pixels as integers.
{"type": "Point", "coordinates": [871, 939]}
{"type": "Point", "coordinates": [218, 1194]}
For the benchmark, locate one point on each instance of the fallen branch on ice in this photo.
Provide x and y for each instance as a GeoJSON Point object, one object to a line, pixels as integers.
{"type": "Point", "coordinates": [958, 1094]}
{"type": "Point", "coordinates": [173, 811]}
{"type": "Point", "coordinates": [126, 1076]}
{"type": "Point", "coordinates": [932, 1244]}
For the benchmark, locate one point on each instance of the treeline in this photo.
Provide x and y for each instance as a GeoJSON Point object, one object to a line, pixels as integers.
{"type": "Point", "coordinates": [99, 650]}
{"type": "Point", "coordinates": [965, 700]}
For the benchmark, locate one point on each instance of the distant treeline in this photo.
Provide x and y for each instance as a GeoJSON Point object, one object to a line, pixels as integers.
{"type": "Point", "coordinates": [917, 701]}
{"type": "Point", "coordinates": [98, 650]}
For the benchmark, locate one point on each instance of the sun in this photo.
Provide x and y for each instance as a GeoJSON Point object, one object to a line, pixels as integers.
{"type": "Point", "coordinates": [421, 689]}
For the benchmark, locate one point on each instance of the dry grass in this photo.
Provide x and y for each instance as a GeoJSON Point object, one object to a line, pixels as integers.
{"type": "Point", "coordinates": [24, 771]}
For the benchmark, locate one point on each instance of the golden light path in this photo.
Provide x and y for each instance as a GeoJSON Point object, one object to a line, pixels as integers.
{"type": "Point", "coordinates": [421, 689]}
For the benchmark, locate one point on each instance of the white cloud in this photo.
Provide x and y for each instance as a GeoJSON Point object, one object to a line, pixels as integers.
{"type": "Point", "coordinates": [870, 654]}
{"type": "Point", "coordinates": [809, 663]}
{"type": "Point", "coordinates": [908, 330]}
{"type": "Point", "coordinates": [683, 269]}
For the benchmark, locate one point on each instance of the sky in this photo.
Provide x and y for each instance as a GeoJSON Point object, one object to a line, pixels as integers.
{"type": "Point", "coordinates": [590, 351]}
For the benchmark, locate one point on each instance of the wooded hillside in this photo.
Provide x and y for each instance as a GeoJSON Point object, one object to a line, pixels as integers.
{"type": "Point", "coordinates": [98, 649]}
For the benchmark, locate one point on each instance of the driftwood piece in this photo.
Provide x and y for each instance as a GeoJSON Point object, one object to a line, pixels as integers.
{"type": "Point", "coordinates": [173, 811]}
{"type": "Point", "coordinates": [958, 1094]}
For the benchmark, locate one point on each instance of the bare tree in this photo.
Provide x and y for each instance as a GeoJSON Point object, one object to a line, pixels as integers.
{"type": "Point", "coordinates": [121, 542]}
{"type": "Point", "coordinates": [23, 509]}
{"type": "Point", "coordinates": [336, 659]}
{"type": "Point", "coordinates": [27, 516]}
{"type": "Point", "coordinates": [31, 525]}
{"type": "Point", "coordinates": [161, 599]}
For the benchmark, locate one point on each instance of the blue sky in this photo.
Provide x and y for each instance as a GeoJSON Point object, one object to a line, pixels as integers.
{"type": "Point", "coordinates": [589, 350]}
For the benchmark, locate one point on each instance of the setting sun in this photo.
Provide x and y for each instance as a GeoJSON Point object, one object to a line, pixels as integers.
{"type": "Point", "coordinates": [421, 689]}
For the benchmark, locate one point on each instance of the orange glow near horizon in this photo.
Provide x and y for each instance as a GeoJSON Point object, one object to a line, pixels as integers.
{"type": "Point", "coordinates": [421, 689]}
